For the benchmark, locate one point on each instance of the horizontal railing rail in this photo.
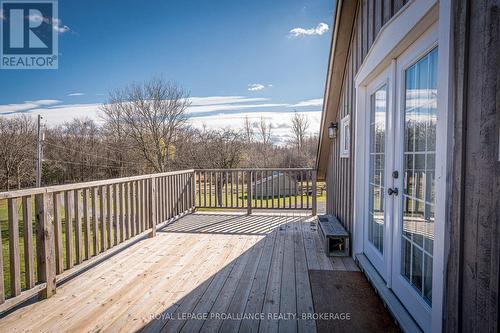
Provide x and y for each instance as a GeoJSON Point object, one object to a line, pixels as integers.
{"type": "Point", "coordinates": [53, 230]}
{"type": "Point", "coordinates": [269, 188]}
{"type": "Point", "coordinates": [73, 186]}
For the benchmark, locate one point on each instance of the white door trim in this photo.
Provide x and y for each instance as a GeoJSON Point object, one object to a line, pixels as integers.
{"type": "Point", "coordinates": [416, 305]}
{"type": "Point", "coordinates": [445, 64]}
{"type": "Point", "coordinates": [380, 261]}
{"type": "Point", "coordinates": [395, 38]}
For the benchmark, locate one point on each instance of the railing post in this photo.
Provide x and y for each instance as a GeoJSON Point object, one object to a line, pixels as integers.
{"type": "Point", "coordinates": [152, 206]}
{"type": "Point", "coordinates": [45, 246]}
{"type": "Point", "coordinates": [314, 194]}
{"type": "Point", "coordinates": [193, 191]}
{"type": "Point", "coordinates": [249, 192]}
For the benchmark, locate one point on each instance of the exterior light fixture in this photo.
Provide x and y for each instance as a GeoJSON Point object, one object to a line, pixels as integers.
{"type": "Point", "coordinates": [332, 130]}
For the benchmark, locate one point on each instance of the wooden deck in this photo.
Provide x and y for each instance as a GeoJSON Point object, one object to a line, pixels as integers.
{"type": "Point", "coordinates": [203, 265]}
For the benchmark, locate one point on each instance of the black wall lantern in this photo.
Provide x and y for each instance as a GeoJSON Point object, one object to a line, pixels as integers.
{"type": "Point", "coordinates": [332, 130]}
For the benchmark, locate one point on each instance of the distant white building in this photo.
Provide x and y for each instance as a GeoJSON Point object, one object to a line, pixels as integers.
{"type": "Point", "coordinates": [277, 182]}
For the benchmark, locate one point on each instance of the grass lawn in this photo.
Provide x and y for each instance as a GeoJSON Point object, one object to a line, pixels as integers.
{"type": "Point", "coordinates": [4, 225]}
{"type": "Point", "coordinates": [257, 203]}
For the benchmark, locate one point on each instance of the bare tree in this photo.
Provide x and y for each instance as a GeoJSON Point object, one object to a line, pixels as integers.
{"type": "Point", "coordinates": [213, 149]}
{"type": "Point", "coordinates": [300, 125]}
{"type": "Point", "coordinates": [80, 150]}
{"type": "Point", "coordinates": [153, 115]}
{"type": "Point", "coordinates": [248, 130]}
{"type": "Point", "coordinates": [144, 130]}
{"type": "Point", "coordinates": [265, 131]}
{"type": "Point", "coordinates": [17, 150]}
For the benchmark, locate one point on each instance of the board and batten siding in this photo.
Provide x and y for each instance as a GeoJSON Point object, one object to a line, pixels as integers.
{"type": "Point", "coordinates": [371, 15]}
{"type": "Point", "coordinates": [472, 257]}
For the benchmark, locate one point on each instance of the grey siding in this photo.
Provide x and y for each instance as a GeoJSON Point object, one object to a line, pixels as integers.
{"type": "Point", "coordinates": [370, 17]}
{"type": "Point", "coordinates": [473, 233]}
{"type": "Point", "coordinates": [472, 258]}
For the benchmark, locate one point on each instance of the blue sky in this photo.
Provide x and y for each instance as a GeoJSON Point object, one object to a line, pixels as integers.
{"type": "Point", "coordinates": [245, 53]}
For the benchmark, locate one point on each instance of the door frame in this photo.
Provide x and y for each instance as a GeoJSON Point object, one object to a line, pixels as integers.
{"type": "Point", "coordinates": [382, 262]}
{"type": "Point", "coordinates": [421, 311]}
{"type": "Point", "coordinates": [395, 37]}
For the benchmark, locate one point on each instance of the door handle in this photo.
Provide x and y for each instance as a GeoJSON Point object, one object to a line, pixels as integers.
{"type": "Point", "coordinates": [392, 191]}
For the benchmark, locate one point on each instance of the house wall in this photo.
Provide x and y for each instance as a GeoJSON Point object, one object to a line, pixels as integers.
{"type": "Point", "coordinates": [370, 17]}
{"type": "Point", "coordinates": [472, 247]}
{"type": "Point", "coordinates": [287, 186]}
{"type": "Point", "coordinates": [472, 257]}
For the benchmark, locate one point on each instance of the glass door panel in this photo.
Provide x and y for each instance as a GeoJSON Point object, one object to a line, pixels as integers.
{"type": "Point", "coordinates": [419, 118]}
{"type": "Point", "coordinates": [376, 210]}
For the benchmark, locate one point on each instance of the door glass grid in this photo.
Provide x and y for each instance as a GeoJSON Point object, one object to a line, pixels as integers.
{"type": "Point", "coordinates": [378, 114]}
{"type": "Point", "coordinates": [419, 173]}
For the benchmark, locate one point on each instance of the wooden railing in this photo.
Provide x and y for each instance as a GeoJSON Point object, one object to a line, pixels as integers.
{"type": "Point", "coordinates": [290, 189]}
{"type": "Point", "coordinates": [53, 231]}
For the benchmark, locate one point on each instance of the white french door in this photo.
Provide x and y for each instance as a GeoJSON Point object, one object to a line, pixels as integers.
{"type": "Point", "coordinates": [414, 208]}
{"type": "Point", "coordinates": [378, 179]}
{"type": "Point", "coordinates": [400, 145]}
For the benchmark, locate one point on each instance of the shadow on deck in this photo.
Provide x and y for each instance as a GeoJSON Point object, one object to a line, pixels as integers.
{"type": "Point", "coordinates": [204, 272]}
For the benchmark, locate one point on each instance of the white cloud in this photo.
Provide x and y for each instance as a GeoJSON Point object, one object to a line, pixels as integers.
{"type": "Point", "coordinates": [280, 122]}
{"type": "Point", "coordinates": [196, 101]}
{"type": "Point", "coordinates": [320, 29]}
{"type": "Point", "coordinates": [59, 27]}
{"type": "Point", "coordinates": [255, 87]}
{"type": "Point", "coordinates": [309, 102]}
{"type": "Point", "coordinates": [198, 105]}
{"type": "Point", "coordinates": [232, 107]}
{"type": "Point", "coordinates": [27, 105]}
{"type": "Point", "coordinates": [56, 23]}
{"type": "Point", "coordinates": [59, 114]}
{"type": "Point", "coordinates": [214, 111]}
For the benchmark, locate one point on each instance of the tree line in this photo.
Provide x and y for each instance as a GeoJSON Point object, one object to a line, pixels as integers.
{"type": "Point", "coordinates": [143, 129]}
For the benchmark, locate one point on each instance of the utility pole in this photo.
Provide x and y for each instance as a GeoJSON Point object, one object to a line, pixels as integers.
{"type": "Point", "coordinates": [39, 150]}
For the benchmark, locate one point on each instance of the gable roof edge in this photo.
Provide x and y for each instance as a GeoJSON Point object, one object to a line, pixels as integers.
{"type": "Point", "coordinates": [341, 37]}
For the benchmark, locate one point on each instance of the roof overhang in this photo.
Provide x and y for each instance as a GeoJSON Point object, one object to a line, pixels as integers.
{"type": "Point", "coordinates": [339, 50]}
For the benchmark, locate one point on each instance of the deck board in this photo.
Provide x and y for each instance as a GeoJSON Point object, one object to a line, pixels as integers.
{"type": "Point", "coordinates": [288, 299]}
{"type": "Point", "coordinates": [203, 263]}
{"type": "Point", "coordinates": [257, 293]}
